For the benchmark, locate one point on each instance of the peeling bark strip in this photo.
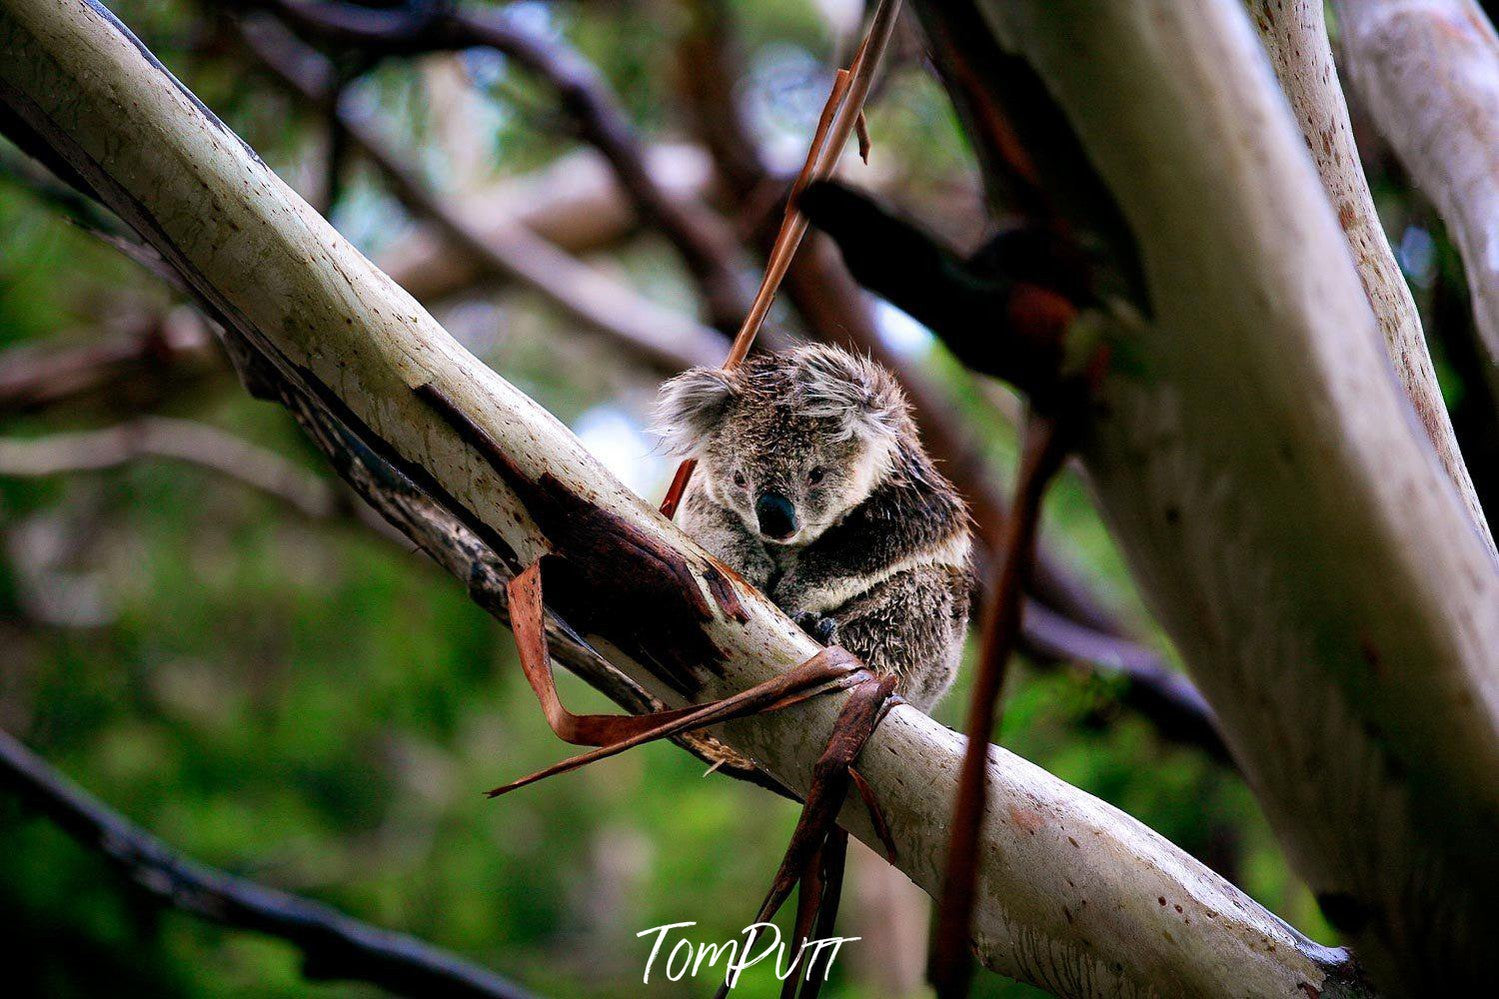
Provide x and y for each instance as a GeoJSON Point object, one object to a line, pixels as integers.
{"type": "Point", "coordinates": [1260, 468]}
{"type": "Point", "coordinates": [628, 586]}
{"type": "Point", "coordinates": [295, 296]}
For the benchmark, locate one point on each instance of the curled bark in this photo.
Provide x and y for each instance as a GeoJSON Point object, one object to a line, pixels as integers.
{"type": "Point", "coordinates": [1136, 915]}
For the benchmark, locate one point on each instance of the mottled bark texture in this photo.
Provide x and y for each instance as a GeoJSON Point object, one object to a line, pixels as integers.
{"type": "Point", "coordinates": [1259, 463]}
{"type": "Point", "coordinates": [1427, 71]}
{"type": "Point", "coordinates": [1295, 36]}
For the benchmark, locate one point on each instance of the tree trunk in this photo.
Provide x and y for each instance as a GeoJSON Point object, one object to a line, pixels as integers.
{"type": "Point", "coordinates": [1262, 468]}
{"type": "Point", "coordinates": [1075, 896]}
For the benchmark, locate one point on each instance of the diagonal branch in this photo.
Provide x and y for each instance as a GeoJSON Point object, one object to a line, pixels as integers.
{"type": "Point", "coordinates": [333, 945]}
{"type": "Point", "coordinates": [701, 238]}
{"type": "Point", "coordinates": [1295, 34]}
{"type": "Point", "coordinates": [1428, 74]}
{"type": "Point", "coordinates": [573, 202]}
{"type": "Point", "coordinates": [667, 338]}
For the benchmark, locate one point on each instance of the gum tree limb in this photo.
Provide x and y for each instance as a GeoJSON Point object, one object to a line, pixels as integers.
{"type": "Point", "coordinates": [1428, 73]}
{"type": "Point", "coordinates": [1295, 35]}
{"type": "Point", "coordinates": [1255, 458]}
{"type": "Point", "coordinates": [335, 332]}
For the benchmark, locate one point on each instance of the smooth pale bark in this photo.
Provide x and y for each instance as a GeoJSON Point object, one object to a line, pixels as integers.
{"type": "Point", "coordinates": [1295, 36]}
{"type": "Point", "coordinates": [1283, 513]}
{"type": "Point", "coordinates": [1076, 896]}
{"type": "Point", "coordinates": [1428, 72]}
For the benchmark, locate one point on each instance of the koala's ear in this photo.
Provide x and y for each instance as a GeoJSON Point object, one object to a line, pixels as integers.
{"type": "Point", "coordinates": [863, 394]}
{"type": "Point", "coordinates": [691, 406]}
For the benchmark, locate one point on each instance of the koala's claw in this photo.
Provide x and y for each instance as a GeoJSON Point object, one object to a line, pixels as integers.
{"type": "Point", "coordinates": [820, 627]}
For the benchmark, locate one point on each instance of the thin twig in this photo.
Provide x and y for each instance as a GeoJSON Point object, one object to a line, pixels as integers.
{"type": "Point", "coordinates": [334, 946]}
{"type": "Point", "coordinates": [844, 107]}
{"type": "Point", "coordinates": [846, 103]}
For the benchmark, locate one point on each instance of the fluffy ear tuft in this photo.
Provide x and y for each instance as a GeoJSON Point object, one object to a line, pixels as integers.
{"type": "Point", "coordinates": [833, 382]}
{"type": "Point", "coordinates": [691, 406]}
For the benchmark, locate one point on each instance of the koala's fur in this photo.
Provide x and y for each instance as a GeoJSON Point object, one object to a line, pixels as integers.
{"type": "Point", "coordinates": [879, 557]}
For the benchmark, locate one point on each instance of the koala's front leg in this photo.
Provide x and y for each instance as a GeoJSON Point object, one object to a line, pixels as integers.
{"type": "Point", "coordinates": [726, 538]}
{"type": "Point", "coordinates": [911, 625]}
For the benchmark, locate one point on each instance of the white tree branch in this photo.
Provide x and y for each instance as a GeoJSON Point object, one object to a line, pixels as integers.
{"type": "Point", "coordinates": [1428, 72]}
{"type": "Point", "coordinates": [1076, 896]}
{"type": "Point", "coordinates": [1285, 516]}
{"type": "Point", "coordinates": [1295, 35]}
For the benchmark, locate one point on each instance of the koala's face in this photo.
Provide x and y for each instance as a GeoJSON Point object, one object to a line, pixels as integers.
{"type": "Point", "coordinates": [791, 442]}
{"type": "Point", "coordinates": [787, 476]}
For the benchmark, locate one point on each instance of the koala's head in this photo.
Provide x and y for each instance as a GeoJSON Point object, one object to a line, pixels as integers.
{"type": "Point", "coordinates": [791, 441]}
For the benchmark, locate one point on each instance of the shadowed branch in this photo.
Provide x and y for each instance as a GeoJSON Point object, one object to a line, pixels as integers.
{"type": "Point", "coordinates": [333, 945]}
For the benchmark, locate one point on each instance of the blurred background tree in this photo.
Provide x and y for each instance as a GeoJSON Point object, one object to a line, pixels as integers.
{"type": "Point", "coordinates": [273, 687]}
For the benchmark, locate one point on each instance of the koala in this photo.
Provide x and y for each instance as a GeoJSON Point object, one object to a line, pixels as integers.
{"type": "Point", "coordinates": [813, 485]}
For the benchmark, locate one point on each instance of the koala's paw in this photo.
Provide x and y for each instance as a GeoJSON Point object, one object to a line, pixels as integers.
{"type": "Point", "coordinates": [820, 627]}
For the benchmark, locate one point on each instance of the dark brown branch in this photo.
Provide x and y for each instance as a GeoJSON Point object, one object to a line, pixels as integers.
{"type": "Point", "coordinates": [334, 946]}
{"type": "Point", "coordinates": [703, 240]}
{"type": "Point", "coordinates": [1016, 275]}
{"type": "Point", "coordinates": [664, 338]}
{"type": "Point", "coordinates": [1173, 705]}
{"type": "Point", "coordinates": [1043, 452]}
{"type": "Point", "coordinates": [162, 357]}
{"type": "Point", "coordinates": [837, 310]}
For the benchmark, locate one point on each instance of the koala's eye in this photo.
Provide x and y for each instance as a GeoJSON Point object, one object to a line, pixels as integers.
{"type": "Point", "coordinates": [739, 479]}
{"type": "Point", "coordinates": [815, 476]}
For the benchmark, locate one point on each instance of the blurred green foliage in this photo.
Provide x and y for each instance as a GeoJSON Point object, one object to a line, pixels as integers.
{"type": "Point", "coordinates": [315, 707]}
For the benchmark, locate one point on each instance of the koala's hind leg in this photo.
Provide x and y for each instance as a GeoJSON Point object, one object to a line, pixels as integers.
{"type": "Point", "coordinates": [726, 538]}
{"type": "Point", "coordinates": [910, 625]}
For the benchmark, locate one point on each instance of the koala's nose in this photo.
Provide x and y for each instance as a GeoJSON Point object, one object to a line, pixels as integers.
{"type": "Point", "coordinates": [776, 515]}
